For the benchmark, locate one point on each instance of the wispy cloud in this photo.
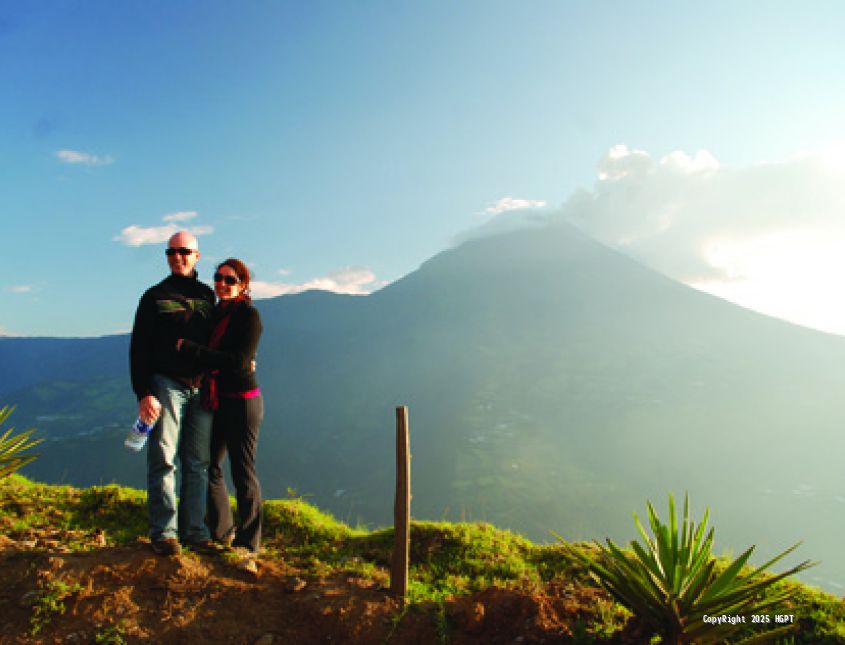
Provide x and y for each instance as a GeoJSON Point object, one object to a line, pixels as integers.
{"type": "Point", "coordinates": [83, 158]}
{"type": "Point", "coordinates": [180, 216]}
{"type": "Point", "coordinates": [506, 215]}
{"type": "Point", "coordinates": [512, 204]}
{"type": "Point", "coordinates": [7, 332]}
{"type": "Point", "coordinates": [676, 212]}
{"type": "Point", "coordinates": [768, 236]}
{"type": "Point", "coordinates": [135, 235]}
{"type": "Point", "coordinates": [20, 288]}
{"type": "Point", "coordinates": [350, 280]}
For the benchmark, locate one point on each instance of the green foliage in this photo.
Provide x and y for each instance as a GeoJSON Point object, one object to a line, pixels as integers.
{"type": "Point", "coordinates": [447, 560]}
{"type": "Point", "coordinates": [460, 558]}
{"type": "Point", "coordinates": [50, 602]}
{"type": "Point", "coordinates": [111, 635]}
{"type": "Point", "coordinates": [120, 512]}
{"type": "Point", "coordinates": [303, 523]}
{"type": "Point", "coordinates": [673, 582]}
{"type": "Point", "coordinates": [12, 448]}
{"type": "Point", "coordinates": [74, 514]}
{"type": "Point", "coordinates": [820, 617]}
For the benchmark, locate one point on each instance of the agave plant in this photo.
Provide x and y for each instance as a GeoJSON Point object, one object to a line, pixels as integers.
{"type": "Point", "coordinates": [13, 447]}
{"type": "Point", "coordinates": [673, 584]}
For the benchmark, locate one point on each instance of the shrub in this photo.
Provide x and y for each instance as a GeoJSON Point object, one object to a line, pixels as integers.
{"type": "Point", "coordinates": [673, 582]}
{"type": "Point", "coordinates": [13, 447]}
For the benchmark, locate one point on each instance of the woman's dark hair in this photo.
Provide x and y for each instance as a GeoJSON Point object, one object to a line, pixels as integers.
{"type": "Point", "coordinates": [241, 271]}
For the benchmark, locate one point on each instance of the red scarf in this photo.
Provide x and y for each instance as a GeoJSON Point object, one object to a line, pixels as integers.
{"type": "Point", "coordinates": [210, 400]}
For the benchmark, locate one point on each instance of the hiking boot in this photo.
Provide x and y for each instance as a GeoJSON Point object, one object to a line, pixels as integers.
{"type": "Point", "coordinates": [166, 546]}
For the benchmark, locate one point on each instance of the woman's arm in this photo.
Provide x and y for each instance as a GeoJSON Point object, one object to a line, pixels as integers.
{"type": "Point", "coordinates": [242, 342]}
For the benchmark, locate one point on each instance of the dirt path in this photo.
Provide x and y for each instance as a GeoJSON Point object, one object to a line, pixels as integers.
{"type": "Point", "coordinates": [129, 593]}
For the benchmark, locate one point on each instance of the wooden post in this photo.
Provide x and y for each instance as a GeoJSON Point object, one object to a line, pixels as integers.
{"type": "Point", "coordinates": [401, 508]}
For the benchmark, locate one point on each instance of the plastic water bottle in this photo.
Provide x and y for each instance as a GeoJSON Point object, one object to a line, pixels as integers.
{"type": "Point", "coordinates": [138, 435]}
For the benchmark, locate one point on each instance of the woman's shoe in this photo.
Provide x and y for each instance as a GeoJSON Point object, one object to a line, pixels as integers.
{"type": "Point", "coordinates": [208, 547]}
{"type": "Point", "coordinates": [248, 565]}
{"type": "Point", "coordinates": [245, 559]}
{"type": "Point", "coordinates": [226, 540]}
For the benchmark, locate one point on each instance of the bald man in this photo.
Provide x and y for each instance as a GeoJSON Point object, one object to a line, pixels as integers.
{"type": "Point", "coordinates": [167, 387]}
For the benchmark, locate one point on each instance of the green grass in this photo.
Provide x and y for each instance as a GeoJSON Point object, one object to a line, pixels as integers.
{"type": "Point", "coordinates": [75, 513]}
{"type": "Point", "coordinates": [110, 635]}
{"type": "Point", "coordinates": [447, 559]}
{"type": "Point", "coordinates": [450, 559]}
{"type": "Point", "coordinates": [50, 602]}
{"type": "Point", "coordinates": [819, 616]}
{"type": "Point", "coordinates": [121, 512]}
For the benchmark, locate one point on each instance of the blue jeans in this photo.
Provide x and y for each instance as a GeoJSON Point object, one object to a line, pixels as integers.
{"type": "Point", "coordinates": [183, 429]}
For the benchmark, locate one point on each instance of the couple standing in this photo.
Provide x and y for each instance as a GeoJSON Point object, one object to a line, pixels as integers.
{"type": "Point", "coordinates": [192, 368]}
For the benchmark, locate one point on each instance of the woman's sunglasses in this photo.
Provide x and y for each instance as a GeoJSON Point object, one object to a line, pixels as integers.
{"type": "Point", "coordinates": [184, 252]}
{"type": "Point", "coordinates": [227, 279]}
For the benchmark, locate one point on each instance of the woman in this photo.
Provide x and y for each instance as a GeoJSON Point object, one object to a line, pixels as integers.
{"type": "Point", "coordinates": [232, 393]}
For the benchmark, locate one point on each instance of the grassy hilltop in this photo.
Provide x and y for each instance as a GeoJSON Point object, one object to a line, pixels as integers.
{"type": "Point", "coordinates": [76, 568]}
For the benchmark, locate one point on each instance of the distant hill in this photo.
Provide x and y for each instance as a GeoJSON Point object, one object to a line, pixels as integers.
{"type": "Point", "coordinates": [30, 361]}
{"type": "Point", "coordinates": [552, 384]}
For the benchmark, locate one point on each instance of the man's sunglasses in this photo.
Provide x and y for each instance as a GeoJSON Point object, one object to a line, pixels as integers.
{"type": "Point", "coordinates": [184, 252]}
{"type": "Point", "coordinates": [228, 279]}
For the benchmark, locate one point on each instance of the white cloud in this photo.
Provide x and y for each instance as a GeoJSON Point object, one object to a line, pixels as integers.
{"type": "Point", "coordinates": [180, 216]}
{"type": "Point", "coordinates": [7, 332]}
{"type": "Point", "coordinates": [506, 215]}
{"type": "Point", "coordinates": [20, 288]}
{"type": "Point", "coordinates": [140, 235]}
{"type": "Point", "coordinates": [135, 235]}
{"type": "Point", "coordinates": [350, 280]}
{"type": "Point", "coordinates": [669, 213]}
{"type": "Point", "coordinates": [512, 204]}
{"type": "Point", "coordinates": [621, 162]}
{"type": "Point", "coordinates": [82, 158]}
{"type": "Point", "coordinates": [768, 236]}
{"type": "Point", "coordinates": [262, 289]}
{"type": "Point", "coordinates": [681, 162]}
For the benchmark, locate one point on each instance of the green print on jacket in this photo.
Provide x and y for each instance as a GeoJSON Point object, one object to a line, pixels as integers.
{"type": "Point", "coordinates": [196, 305]}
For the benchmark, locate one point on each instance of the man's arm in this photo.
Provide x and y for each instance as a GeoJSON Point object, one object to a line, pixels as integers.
{"type": "Point", "coordinates": [140, 359]}
{"type": "Point", "coordinates": [141, 348]}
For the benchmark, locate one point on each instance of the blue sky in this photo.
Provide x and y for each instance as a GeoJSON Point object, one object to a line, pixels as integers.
{"type": "Point", "coordinates": [341, 144]}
